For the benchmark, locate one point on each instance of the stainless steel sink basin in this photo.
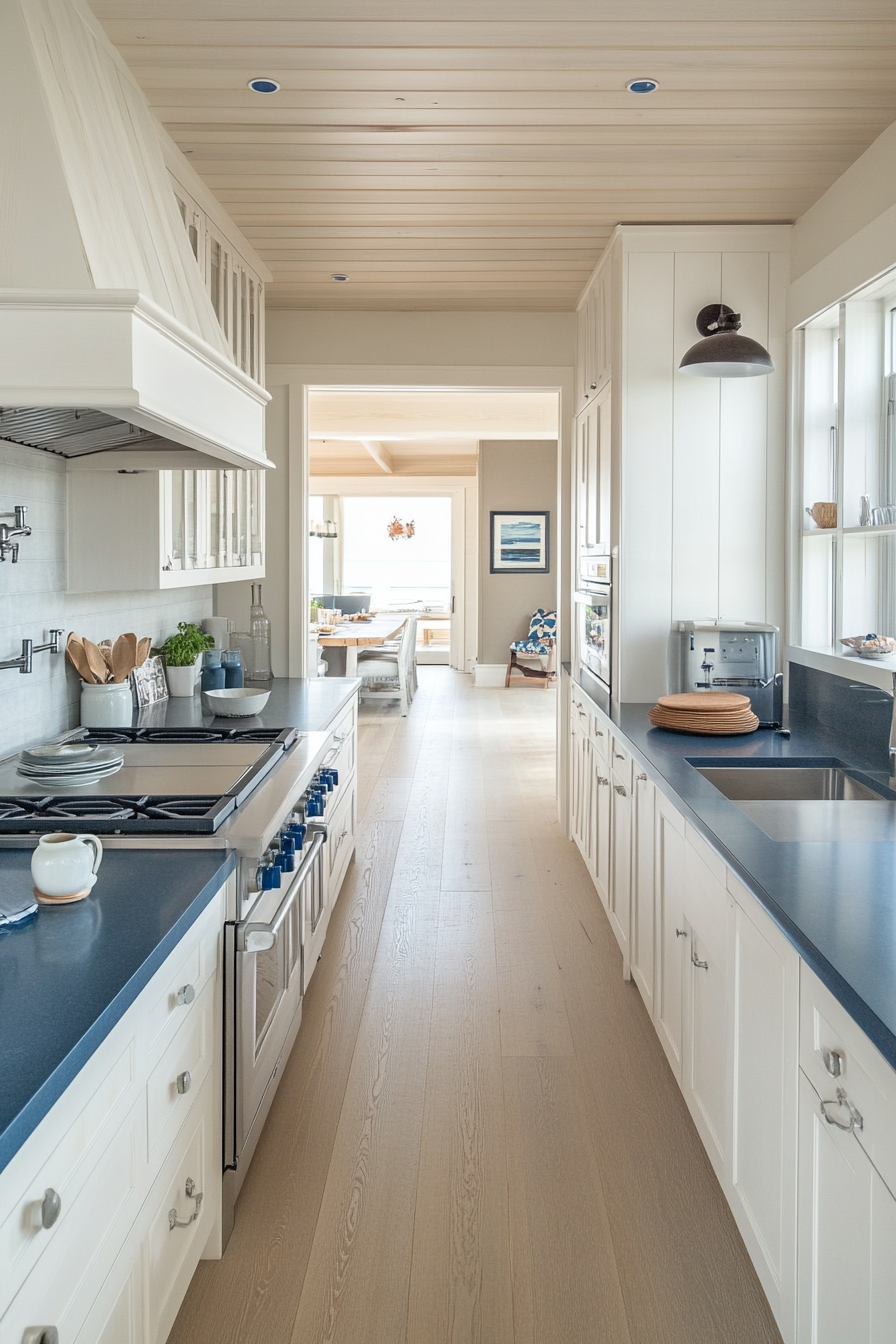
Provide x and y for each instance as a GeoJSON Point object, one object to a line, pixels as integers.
{"type": "Point", "coordinates": [797, 784]}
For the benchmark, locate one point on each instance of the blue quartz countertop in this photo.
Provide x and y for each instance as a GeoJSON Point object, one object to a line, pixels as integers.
{"type": "Point", "coordinates": [69, 974]}
{"type": "Point", "coordinates": [835, 900]}
{"type": "Point", "coordinates": [309, 703]}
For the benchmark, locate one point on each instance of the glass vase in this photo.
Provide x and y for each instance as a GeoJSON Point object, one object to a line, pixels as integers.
{"type": "Point", "coordinates": [260, 631]}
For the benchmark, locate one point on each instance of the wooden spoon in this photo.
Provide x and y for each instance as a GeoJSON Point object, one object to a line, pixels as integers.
{"type": "Point", "coordinates": [143, 647]}
{"type": "Point", "coordinates": [132, 646]}
{"type": "Point", "coordinates": [122, 661]}
{"type": "Point", "coordinates": [105, 648]}
{"type": "Point", "coordinates": [96, 661]}
{"type": "Point", "coordinates": [78, 658]}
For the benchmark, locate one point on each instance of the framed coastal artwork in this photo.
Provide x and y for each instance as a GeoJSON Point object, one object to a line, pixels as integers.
{"type": "Point", "coordinates": [520, 543]}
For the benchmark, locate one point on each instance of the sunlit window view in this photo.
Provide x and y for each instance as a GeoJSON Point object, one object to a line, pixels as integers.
{"type": "Point", "coordinates": [397, 570]}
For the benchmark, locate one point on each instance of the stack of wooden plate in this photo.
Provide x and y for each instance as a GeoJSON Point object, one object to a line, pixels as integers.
{"type": "Point", "coordinates": [716, 713]}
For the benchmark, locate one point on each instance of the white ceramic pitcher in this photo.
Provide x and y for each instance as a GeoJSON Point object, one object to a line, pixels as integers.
{"type": "Point", "coordinates": [64, 864]}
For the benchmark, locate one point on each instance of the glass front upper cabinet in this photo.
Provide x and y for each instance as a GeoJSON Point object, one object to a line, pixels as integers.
{"type": "Point", "coordinates": [845, 471]}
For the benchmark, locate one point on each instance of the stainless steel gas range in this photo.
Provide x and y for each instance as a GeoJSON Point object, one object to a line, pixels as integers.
{"type": "Point", "coordinates": [265, 794]}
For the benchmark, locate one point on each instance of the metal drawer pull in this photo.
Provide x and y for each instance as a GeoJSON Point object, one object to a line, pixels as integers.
{"type": "Point", "coordinates": [695, 961]}
{"type": "Point", "coordinates": [641, 778]}
{"type": "Point", "coordinates": [834, 1061]}
{"type": "Point", "coordinates": [41, 1334]}
{"type": "Point", "coordinates": [186, 994]}
{"type": "Point", "coordinates": [50, 1208]}
{"type": "Point", "coordinates": [602, 780]}
{"type": "Point", "coordinates": [620, 789]}
{"type": "Point", "coordinates": [191, 1193]}
{"type": "Point", "coordinates": [855, 1120]}
{"type": "Point", "coordinates": [681, 933]}
{"type": "Point", "coordinates": [184, 1082]}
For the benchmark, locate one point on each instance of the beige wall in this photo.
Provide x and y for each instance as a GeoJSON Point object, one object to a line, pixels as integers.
{"type": "Point", "coordinates": [513, 476]}
{"type": "Point", "coordinates": [420, 338]}
{"type": "Point", "coordinates": [849, 235]}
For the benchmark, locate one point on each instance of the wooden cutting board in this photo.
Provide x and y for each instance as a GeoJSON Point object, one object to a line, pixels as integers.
{"type": "Point", "coordinates": [705, 702]}
{"type": "Point", "coordinates": [707, 725]}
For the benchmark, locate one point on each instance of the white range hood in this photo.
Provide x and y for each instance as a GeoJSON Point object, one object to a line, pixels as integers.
{"type": "Point", "coordinates": [104, 316]}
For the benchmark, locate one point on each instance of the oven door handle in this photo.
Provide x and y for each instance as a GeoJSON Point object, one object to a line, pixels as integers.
{"type": "Point", "coordinates": [257, 937]}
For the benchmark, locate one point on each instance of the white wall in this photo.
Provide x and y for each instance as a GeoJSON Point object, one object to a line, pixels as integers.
{"type": "Point", "coordinates": [33, 599]}
{"type": "Point", "coordinates": [848, 236]}
{"type": "Point", "coordinates": [702, 459]}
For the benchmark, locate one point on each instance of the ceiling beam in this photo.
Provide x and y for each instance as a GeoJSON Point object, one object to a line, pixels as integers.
{"type": "Point", "coordinates": [380, 454]}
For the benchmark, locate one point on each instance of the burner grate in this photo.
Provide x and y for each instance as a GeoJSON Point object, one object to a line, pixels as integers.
{"type": "Point", "coordinates": [115, 815]}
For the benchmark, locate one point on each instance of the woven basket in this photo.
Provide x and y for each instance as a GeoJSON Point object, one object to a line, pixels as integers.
{"type": "Point", "coordinates": [823, 514]}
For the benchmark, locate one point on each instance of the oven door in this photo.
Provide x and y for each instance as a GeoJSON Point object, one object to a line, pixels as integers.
{"type": "Point", "coordinates": [593, 610]}
{"type": "Point", "coordinates": [267, 960]}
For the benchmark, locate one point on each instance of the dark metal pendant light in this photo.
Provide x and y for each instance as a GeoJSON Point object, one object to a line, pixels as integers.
{"type": "Point", "coordinates": [724, 353]}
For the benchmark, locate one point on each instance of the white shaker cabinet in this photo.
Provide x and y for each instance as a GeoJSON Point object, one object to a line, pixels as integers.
{"type": "Point", "coordinates": [151, 528]}
{"type": "Point", "coordinates": [643, 898]}
{"type": "Point", "coordinates": [847, 1164]}
{"type": "Point", "coordinates": [705, 1062]}
{"type": "Point", "coordinates": [619, 895]}
{"type": "Point", "coordinates": [765, 970]}
{"type": "Point", "coordinates": [671, 930]}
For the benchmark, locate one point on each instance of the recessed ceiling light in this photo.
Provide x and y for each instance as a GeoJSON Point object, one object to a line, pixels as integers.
{"type": "Point", "coordinates": [642, 86]}
{"type": "Point", "coordinates": [338, 276]}
{"type": "Point", "coordinates": [264, 85]}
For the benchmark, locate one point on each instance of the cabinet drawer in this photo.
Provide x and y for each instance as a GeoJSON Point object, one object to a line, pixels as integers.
{"type": "Point", "coordinates": [621, 763]}
{"type": "Point", "coordinates": [341, 753]}
{"type": "Point", "coordinates": [64, 1283]}
{"type": "Point", "coordinates": [341, 842]}
{"type": "Point", "coordinates": [182, 985]}
{"type": "Point", "coordinates": [68, 1168]}
{"type": "Point", "coordinates": [177, 1078]}
{"type": "Point", "coordinates": [829, 1041]}
{"type": "Point", "coordinates": [184, 1190]}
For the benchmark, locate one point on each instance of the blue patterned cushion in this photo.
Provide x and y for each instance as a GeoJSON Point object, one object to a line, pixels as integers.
{"type": "Point", "coordinates": [530, 646]}
{"type": "Point", "coordinates": [543, 625]}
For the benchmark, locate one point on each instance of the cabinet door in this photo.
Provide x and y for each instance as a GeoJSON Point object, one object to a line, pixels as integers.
{"type": "Point", "coordinates": [670, 928]}
{"type": "Point", "coordinates": [619, 902]}
{"type": "Point", "coordinates": [642, 914]}
{"type": "Point", "coordinates": [705, 1073]}
{"type": "Point", "coordinates": [602, 814]}
{"type": "Point", "coordinates": [576, 737]}
{"type": "Point", "coordinates": [765, 1049]}
{"type": "Point", "coordinates": [847, 1236]}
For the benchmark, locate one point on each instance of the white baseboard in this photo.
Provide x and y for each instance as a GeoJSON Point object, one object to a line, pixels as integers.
{"type": "Point", "coordinates": [489, 674]}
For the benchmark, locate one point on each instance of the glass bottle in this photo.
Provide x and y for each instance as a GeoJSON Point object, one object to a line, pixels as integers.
{"type": "Point", "coordinates": [260, 630]}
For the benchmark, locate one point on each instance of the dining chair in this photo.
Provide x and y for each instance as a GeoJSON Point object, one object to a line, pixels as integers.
{"type": "Point", "coordinates": [387, 673]}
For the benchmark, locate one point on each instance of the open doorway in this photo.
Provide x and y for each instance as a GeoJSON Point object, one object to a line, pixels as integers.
{"type": "Point", "coordinates": [386, 553]}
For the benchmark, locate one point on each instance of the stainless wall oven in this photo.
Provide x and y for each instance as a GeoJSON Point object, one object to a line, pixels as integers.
{"type": "Point", "coordinates": [593, 618]}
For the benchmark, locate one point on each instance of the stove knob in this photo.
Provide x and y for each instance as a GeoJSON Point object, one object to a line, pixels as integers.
{"type": "Point", "coordinates": [334, 775]}
{"type": "Point", "coordinates": [287, 843]}
{"type": "Point", "coordinates": [267, 877]}
{"type": "Point", "coordinates": [289, 863]}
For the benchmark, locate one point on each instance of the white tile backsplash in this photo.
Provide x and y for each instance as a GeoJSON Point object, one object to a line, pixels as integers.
{"type": "Point", "coordinates": [33, 600]}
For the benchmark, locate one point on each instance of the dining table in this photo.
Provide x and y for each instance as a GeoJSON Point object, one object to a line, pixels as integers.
{"type": "Point", "coordinates": [353, 635]}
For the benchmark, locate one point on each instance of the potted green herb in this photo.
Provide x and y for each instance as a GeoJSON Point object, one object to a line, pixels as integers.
{"type": "Point", "coordinates": [316, 608]}
{"type": "Point", "coordinates": [181, 653]}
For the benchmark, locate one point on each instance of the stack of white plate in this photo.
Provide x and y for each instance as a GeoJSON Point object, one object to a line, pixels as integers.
{"type": "Point", "coordinates": [71, 763]}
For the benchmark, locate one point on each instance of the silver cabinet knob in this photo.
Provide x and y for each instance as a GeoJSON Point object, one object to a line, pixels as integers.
{"type": "Point", "coordinates": [620, 789]}
{"type": "Point", "coordinates": [50, 1208]}
{"type": "Point", "coordinates": [184, 1082]}
{"type": "Point", "coordinates": [681, 933]}
{"type": "Point", "coordinates": [40, 1334]}
{"type": "Point", "coordinates": [834, 1061]}
{"type": "Point", "coordinates": [186, 994]}
{"type": "Point", "coordinates": [695, 961]}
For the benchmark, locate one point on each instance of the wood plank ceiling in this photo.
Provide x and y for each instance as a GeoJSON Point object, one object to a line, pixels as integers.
{"type": "Point", "coordinates": [476, 154]}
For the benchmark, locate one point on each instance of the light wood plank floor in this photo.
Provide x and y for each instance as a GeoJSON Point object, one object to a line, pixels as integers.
{"type": "Point", "coordinates": [477, 1138]}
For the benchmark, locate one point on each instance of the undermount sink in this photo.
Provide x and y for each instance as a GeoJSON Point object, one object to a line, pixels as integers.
{"type": "Point", "coordinates": [817, 803]}
{"type": "Point", "coordinates": [788, 784]}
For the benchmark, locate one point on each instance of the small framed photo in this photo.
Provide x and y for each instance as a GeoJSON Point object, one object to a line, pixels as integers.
{"type": "Point", "coordinates": [149, 682]}
{"type": "Point", "coordinates": [520, 543]}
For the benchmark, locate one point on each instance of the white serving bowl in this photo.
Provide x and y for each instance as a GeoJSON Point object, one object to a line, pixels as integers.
{"type": "Point", "coordinates": [239, 702]}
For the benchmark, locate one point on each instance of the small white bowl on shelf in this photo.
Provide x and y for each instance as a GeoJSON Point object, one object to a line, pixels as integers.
{"type": "Point", "coordinates": [239, 702]}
